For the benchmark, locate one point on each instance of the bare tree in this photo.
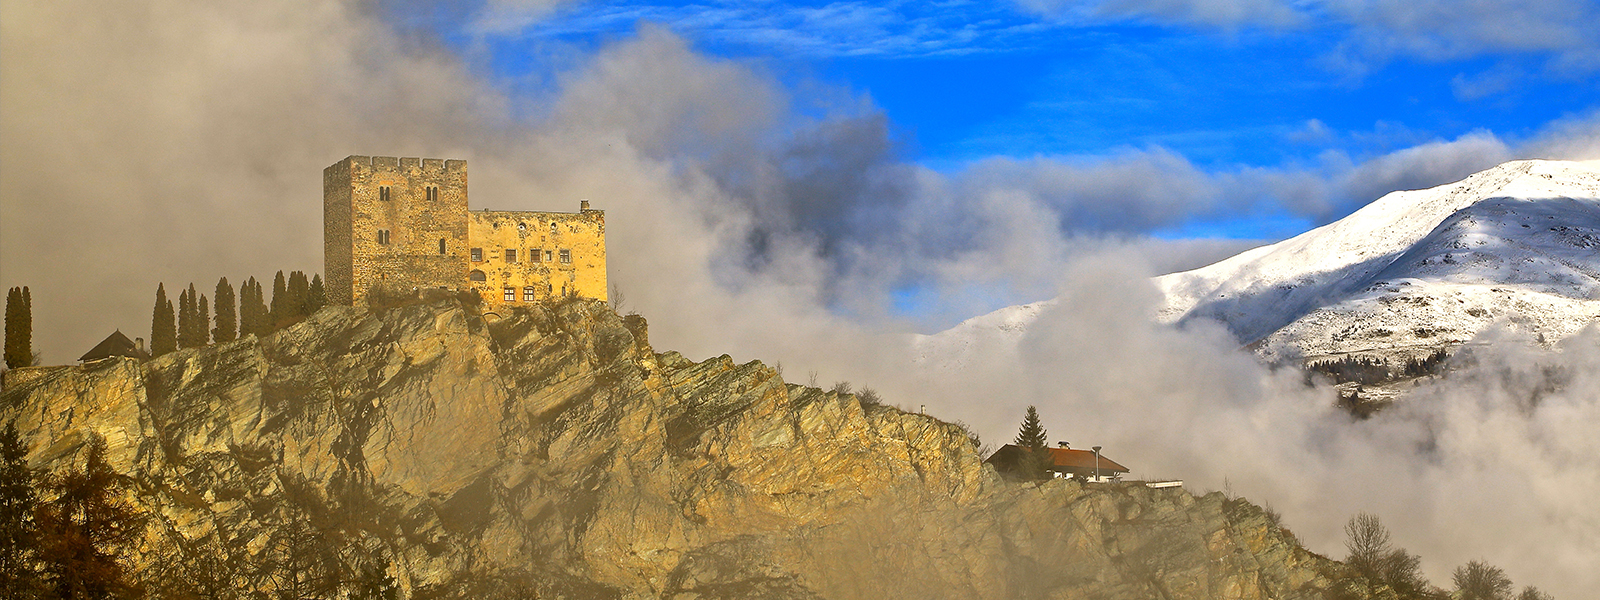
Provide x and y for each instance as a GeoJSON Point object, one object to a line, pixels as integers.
{"type": "Point", "coordinates": [1477, 580]}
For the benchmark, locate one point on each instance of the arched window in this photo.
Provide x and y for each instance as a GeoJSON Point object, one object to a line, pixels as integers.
{"type": "Point", "coordinates": [477, 275]}
{"type": "Point", "coordinates": [552, 227]}
{"type": "Point", "coordinates": [441, 245]}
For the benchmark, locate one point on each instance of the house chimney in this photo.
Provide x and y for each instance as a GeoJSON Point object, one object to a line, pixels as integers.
{"type": "Point", "coordinates": [583, 204]}
{"type": "Point", "coordinates": [1063, 444]}
{"type": "Point", "coordinates": [138, 344]}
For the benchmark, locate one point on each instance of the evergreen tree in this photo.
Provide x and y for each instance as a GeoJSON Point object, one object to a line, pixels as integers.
{"type": "Point", "coordinates": [186, 315]}
{"type": "Point", "coordinates": [163, 326]}
{"type": "Point", "coordinates": [18, 350]}
{"type": "Point", "coordinates": [317, 296]}
{"type": "Point", "coordinates": [375, 582]}
{"type": "Point", "coordinates": [279, 310]}
{"type": "Point", "coordinates": [252, 313]}
{"type": "Point", "coordinates": [84, 532]}
{"type": "Point", "coordinates": [18, 547]}
{"type": "Point", "coordinates": [262, 325]}
{"type": "Point", "coordinates": [200, 329]}
{"type": "Point", "coordinates": [227, 328]}
{"type": "Point", "coordinates": [27, 327]}
{"type": "Point", "coordinates": [1034, 461]}
{"type": "Point", "coordinates": [299, 297]}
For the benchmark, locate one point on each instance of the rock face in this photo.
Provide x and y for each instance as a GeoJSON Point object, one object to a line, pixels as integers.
{"type": "Point", "coordinates": [554, 454]}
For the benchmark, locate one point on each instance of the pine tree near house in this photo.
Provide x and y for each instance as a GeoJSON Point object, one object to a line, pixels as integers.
{"type": "Point", "coordinates": [1034, 462]}
{"type": "Point", "coordinates": [227, 328]}
{"type": "Point", "coordinates": [163, 325]}
{"type": "Point", "coordinates": [19, 328]}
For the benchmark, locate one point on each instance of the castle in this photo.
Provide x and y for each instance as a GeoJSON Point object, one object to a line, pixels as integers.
{"type": "Point", "coordinates": [403, 224]}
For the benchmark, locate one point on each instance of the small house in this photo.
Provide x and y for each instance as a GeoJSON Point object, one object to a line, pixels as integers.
{"type": "Point", "coordinates": [116, 344]}
{"type": "Point", "coordinates": [1062, 461]}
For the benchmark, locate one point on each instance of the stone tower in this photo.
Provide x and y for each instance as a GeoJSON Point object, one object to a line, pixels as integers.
{"type": "Point", "coordinates": [399, 223]}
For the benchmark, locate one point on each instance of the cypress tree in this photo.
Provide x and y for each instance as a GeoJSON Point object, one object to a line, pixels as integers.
{"type": "Point", "coordinates": [26, 344]}
{"type": "Point", "coordinates": [258, 309]}
{"type": "Point", "coordinates": [299, 295]}
{"type": "Point", "coordinates": [185, 320]}
{"type": "Point", "coordinates": [280, 302]}
{"type": "Point", "coordinates": [18, 497]}
{"type": "Point", "coordinates": [227, 328]}
{"type": "Point", "coordinates": [163, 327]}
{"type": "Point", "coordinates": [317, 296]}
{"type": "Point", "coordinates": [14, 316]}
{"type": "Point", "coordinates": [200, 331]}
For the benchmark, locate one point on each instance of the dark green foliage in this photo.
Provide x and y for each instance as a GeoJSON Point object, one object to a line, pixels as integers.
{"type": "Point", "coordinates": [1429, 365]}
{"type": "Point", "coordinates": [1477, 580]}
{"type": "Point", "coordinates": [188, 319]}
{"type": "Point", "coordinates": [1034, 462]}
{"type": "Point", "coordinates": [1366, 371]}
{"type": "Point", "coordinates": [85, 531]}
{"type": "Point", "coordinates": [19, 576]}
{"type": "Point", "coordinates": [163, 325]}
{"type": "Point", "coordinates": [1533, 593]}
{"type": "Point", "coordinates": [19, 328]}
{"type": "Point", "coordinates": [252, 309]}
{"type": "Point", "coordinates": [317, 296]}
{"type": "Point", "coordinates": [869, 397]}
{"type": "Point", "coordinates": [202, 324]}
{"type": "Point", "coordinates": [279, 309]}
{"type": "Point", "coordinates": [227, 328]}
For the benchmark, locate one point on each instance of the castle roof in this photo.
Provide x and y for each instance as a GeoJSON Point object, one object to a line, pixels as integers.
{"type": "Point", "coordinates": [115, 344]}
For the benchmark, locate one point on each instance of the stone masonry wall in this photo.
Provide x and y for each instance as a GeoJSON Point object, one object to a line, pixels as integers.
{"type": "Point", "coordinates": [425, 244]}
{"type": "Point", "coordinates": [556, 254]}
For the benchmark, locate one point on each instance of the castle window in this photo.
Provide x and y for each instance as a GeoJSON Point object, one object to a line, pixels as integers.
{"type": "Point", "coordinates": [441, 245]}
{"type": "Point", "coordinates": [477, 255]}
{"type": "Point", "coordinates": [522, 226]}
{"type": "Point", "coordinates": [511, 255]}
{"type": "Point", "coordinates": [527, 294]}
{"type": "Point", "coordinates": [536, 254]}
{"type": "Point", "coordinates": [433, 194]}
{"type": "Point", "coordinates": [547, 256]}
{"type": "Point", "coordinates": [383, 236]}
{"type": "Point", "coordinates": [383, 193]}
{"type": "Point", "coordinates": [477, 275]}
{"type": "Point", "coordinates": [566, 257]}
{"type": "Point", "coordinates": [552, 228]}
{"type": "Point", "coordinates": [511, 294]}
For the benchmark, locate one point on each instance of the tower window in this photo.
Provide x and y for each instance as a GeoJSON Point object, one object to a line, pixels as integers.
{"type": "Point", "coordinates": [477, 255]}
{"type": "Point", "coordinates": [383, 193]}
{"type": "Point", "coordinates": [552, 228]}
{"type": "Point", "coordinates": [566, 257]}
{"type": "Point", "coordinates": [441, 245]}
{"type": "Point", "coordinates": [511, 255]}
{"type": "Point", "coordinates": [383, 236]}
{"type": "Point", "coordinates": [477, 275]}
{"type": "Point", "coordinates": [433, 193]}
{"type": "Point", "coordinates": [547, 256]}
{"type": "Point", "coordinates": [527, 294]}
{"type": "Point", "coordinates": [536, 253]}
{"type": "Point", "coordinates": [511, 294]}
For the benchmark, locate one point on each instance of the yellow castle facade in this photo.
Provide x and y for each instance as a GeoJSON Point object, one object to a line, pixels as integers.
{"type": "Point", "coordinates": [404, 224]}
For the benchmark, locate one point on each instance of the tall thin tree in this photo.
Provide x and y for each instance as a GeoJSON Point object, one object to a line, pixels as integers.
{"type": "Point", "coordinates": [1033, 462]}
{"type": "Point", "coordinates": [278, 311]}
{"type": "Point", "coordinates": [185, 319]}
{"type": "Point", "coordinates": [202, 324]}
{"type": "Point", "coordinates": [317, 296]}
{"type": "Point", "coordinates": [227, 328]}
{"type": "Point", "coordinates": [17, 351]}
{"type": "Point", "coordinates": [163, 325]}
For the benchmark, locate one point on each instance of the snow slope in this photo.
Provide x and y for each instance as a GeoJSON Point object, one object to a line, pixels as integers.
{"type": "Point", "coordinates": [1413, 270]}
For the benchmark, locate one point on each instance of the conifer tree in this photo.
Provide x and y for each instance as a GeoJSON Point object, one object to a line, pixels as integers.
{"type": "Point", "coordinates": [163, 326]}
{"type": "Point", "coordinates": [1033, 462]}
{"type": "Point", "coordinates": [317, 296]}
{"type": "Point", "coordinates": [279, 309]}
{"type": "Point", "coordinates": [186, 315]}
{"type": "Point", "coordinates": [86, 529]}
{"type": "Point", "coordinates": [200, 327]}
{"type": "Point", "coordinates": [19, 328]}
{"type": "Point", "coordinates": [227, 328]}
{"type": "Point", "coordinates": [299, 294]}
{"type": "Point", "coordinates": [18, 498]}
{"type": "Point", "coordinates": [252, 313]}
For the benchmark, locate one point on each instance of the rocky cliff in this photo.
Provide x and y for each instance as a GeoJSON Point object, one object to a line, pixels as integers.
{"type": "Point", "coordinates": [551, 453]}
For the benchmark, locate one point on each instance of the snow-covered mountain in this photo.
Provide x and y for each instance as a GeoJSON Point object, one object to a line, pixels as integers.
{"type": "Point", "coordinates": [1410, 272]}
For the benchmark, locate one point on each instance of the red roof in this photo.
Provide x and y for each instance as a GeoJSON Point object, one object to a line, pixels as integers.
{"type": "Point", "coordinates": [1064, 458]}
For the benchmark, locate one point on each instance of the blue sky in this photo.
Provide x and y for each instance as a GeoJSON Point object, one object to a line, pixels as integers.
{"type": "Point", "coordinates": [1228, 85]}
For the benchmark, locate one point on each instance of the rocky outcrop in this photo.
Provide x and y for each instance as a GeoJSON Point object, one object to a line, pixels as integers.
{"type": "Point", "coordinates": [552, 453]}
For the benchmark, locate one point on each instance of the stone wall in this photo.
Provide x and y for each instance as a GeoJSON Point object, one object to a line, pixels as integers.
{"type": "Point", "coordinates": [407, 225]}
{"type": "Point", "coordinates": [556, 254]}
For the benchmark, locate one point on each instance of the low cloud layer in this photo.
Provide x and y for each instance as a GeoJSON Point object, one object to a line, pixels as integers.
{"type": "Point", "coordinates": [175, 142]}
